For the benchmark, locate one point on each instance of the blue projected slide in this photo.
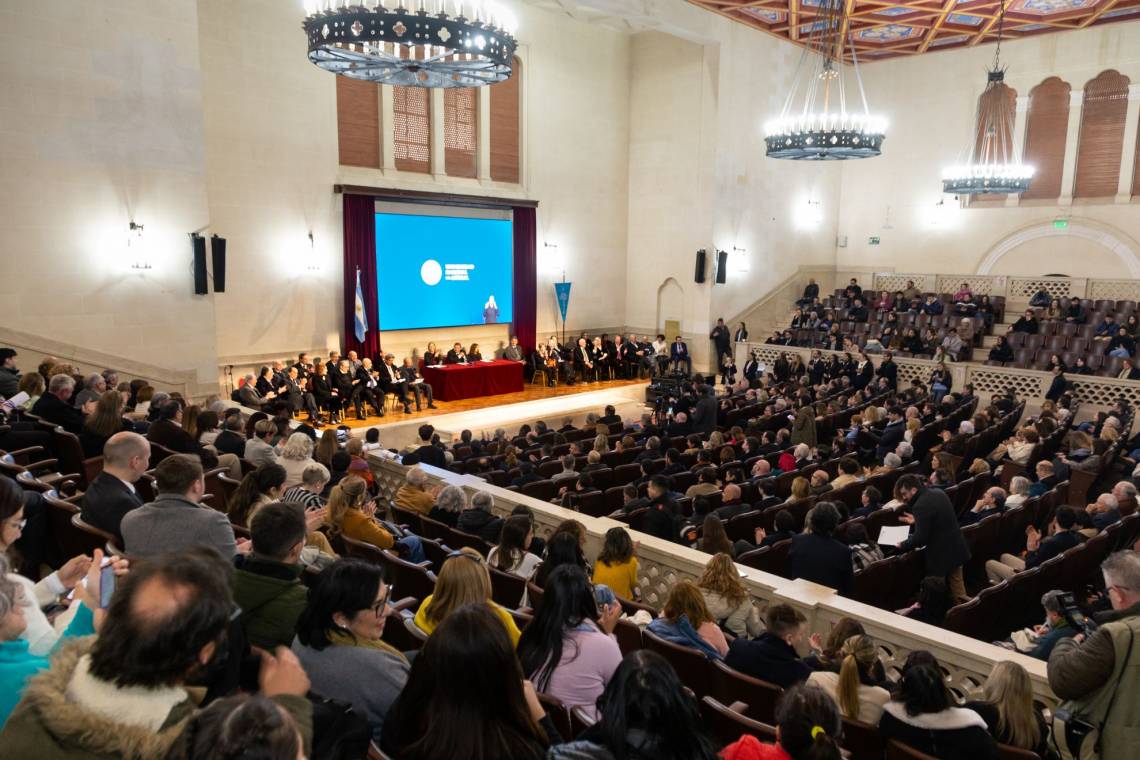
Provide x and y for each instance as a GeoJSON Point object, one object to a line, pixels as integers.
{"type": "Point", "coordinates": [442, 271]}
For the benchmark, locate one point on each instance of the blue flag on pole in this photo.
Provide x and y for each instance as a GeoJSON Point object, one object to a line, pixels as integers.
{"type": "Point", "coordinates": [562, 292]}
{"type": "Point", "coordinates": [361, 315]}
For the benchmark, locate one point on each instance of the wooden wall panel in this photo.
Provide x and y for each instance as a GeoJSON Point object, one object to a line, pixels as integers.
{"type": "Point", "coordinates": [358, 122]}
{"type": "Point", "coordinates": [505, 132]}
{"type": "Point", "coordinates": [460, 131]}
{"type": "Point", "coordinates": [1047, 124]}
{"type": "Point", "coordinates": [1102, 135]}
{"type": "Point", "coordinates": [412, 128]}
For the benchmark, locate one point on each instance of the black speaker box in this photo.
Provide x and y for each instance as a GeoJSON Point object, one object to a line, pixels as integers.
{"type": "Point", "coordinates": [699, 274]}
{"type": "Point", "coordinates": [218, 254]}
{"type": "Point", "coordinates": [199, 244]}
{"type": "Point", "coordinates": [721, 267]}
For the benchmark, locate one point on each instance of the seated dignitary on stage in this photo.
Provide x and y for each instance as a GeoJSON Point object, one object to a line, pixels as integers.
{"type": "Point", "coordinates": [584, 363]}
{"type": "Point", "coordinates": [457, 355]}
{"type": "Point", "coordinates": [415, 382]}
{"type": "Point", "coordinates": [514, 352]}
{"type": "Point", "coordinates": [392, 381]}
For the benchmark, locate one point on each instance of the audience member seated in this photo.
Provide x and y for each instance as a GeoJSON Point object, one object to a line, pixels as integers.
{"type": "Point", "coordinates": [1007, 707]}
{"type": "Point", "coordinates": [617, 566]}
{"type": "Point", "coordinates": [808, 727]}
{"type": "Point", "coordinates": [686, 621]}
{"type": "Point", "coordinates": [308, 492]}
{"type": "Point", "coordinates": [111, 494]}
{"type": "Point", "coordinates": [266, 585]}
{"type": "Point", "coordinates": [829, 655]}
{"type": "Point", "coordinates": [174, 521]}
{"type": "Point", "coordinates": [1063, 536]}
{"type": "Point", "coordinates": [240, 726]}
{"type": "Point", "coordinates": [772, 656]}
{"type": "Point", "coordinates": [933, 601]}
{"type": "Point", "coordinates": [259, 449]}
{"type": "Point", "coordinates": [922, 715]}
{"type": "Point", "coordinates": [296, 455]}
{"type": "Point", "coordinates": [104, 421]}
{"type": "Point", "coordinates": [991, 503]}
{"type": "Point", "coordinates": [478, 519]}
{"type": "Point", "coordinates": [1104, 511]}
{"type": "Point", "coordinates": [512, 554]}
{"type": "Point", "coordinates": [463, 580]}
{"type": "Point", "coordinates": [125, 692]}
{"type": "Point", "coordinates": [449, 505]}
{"type": "Point", "coordinates": [567, 650]}
{"type": "Point", "coordinates": [445, 704]}
{"type": "Point", "coordinates": [258, 488]}
{"type": "Point", "coordinates": [817, 556]}
{"type": "Point", "coordinates": [338, 641]}
{"type": "Point", "coordinates": [727, 599]}
{"type": "Point", "coordinates": [858, 687]}
{"type": "Point", "coordinates": [413, 495]}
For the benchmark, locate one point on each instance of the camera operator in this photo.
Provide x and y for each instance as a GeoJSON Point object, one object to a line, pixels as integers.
{"type": "Point", "coordinates": [1098, 675]}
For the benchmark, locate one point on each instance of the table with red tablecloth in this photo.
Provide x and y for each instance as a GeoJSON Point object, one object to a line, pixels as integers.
{"type": "Point", "coordinates": [452, 382]}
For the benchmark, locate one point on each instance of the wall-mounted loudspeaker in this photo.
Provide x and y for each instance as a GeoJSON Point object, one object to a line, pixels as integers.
{"type": "Point", "coordinates": [199, 245]}
{"type": "Point", "coordinates": [218, 255]}
{"type": "Point", "coordinates": [699, 274]}
{"type": "Point", "coordinates": [721, 267]}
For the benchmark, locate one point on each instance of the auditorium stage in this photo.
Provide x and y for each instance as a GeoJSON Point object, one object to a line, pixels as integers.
{"type": "Point", "coordinates": [509, 410]}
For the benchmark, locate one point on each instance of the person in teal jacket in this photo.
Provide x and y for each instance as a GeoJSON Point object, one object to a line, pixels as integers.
{"type": "Point", "coordinates": [17, 664]}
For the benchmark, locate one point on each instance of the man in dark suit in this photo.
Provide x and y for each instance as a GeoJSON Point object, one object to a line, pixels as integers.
{"type": "Point", "coordinates": [428, 453]}
{"type": "Point", "coordinates": [935, 527]}
{"type": "Point", "coordinates": [55, 405]}
{"type": "Point", "coordinates": [457, 355]}
{"type": "Point", "coordinates": [368, 384]}
{"type": "Point", "coordinates": [231, 440]}
{"type": "Point", "coordinates": [126, 456]}
{"type": "Point", "coordinates": [892, 435]}
{"type": "Point", "coordinates": [391, 381]}
{"type": "Point", "coordinates": [704, 412]}
{"type": "Point", "coordinates": [1058, 386]}
{"type": "Point", "coordinates": [333, 364]}
{"type": "Point", "coordinates": [294, 393]}
{"type": "Point", "coordinates": [610, 417]}
{"type": "Point", "coordinates": [344, 385]}
{"type": "Point", "coordinates": [167, 430]}
{"type": "Point", "coordinates": [679, 354]}
{"type": "Point", "coordinates": [772, 656]}
{"type": "Point", "coordinates": [817, 556]}
{"type": "Point", "coordinates": [304, 366]}
{"type": "Point", "coordinates": [1064, 536]}
{"type": "Point", "coordinates": [721, 341]}
{"type": "Point", "coordinates": [889, 371]}
{"type": "Point", "coordinates": [420, 390]}
{"type": "Point", "coordinates": [663, 518]}
{"type": "Point", "coordinates": [584, 361]}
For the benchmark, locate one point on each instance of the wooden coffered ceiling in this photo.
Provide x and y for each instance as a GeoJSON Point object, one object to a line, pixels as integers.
{"type": "Point", "coordinates": [891, 28]}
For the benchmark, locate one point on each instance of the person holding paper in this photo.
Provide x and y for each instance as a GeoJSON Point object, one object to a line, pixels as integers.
{"type": "Point", "coordinates": [416, 383]}
{"type": "Point", "coordinates": [935, 527]}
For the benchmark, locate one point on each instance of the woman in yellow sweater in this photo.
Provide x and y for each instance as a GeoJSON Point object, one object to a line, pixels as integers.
{"type": "Point", "coordinates": [463, 579]}
{"type": "Point", "coordinates": [616, 566]}
{"type": "Point", "coordinates": [351, 514]}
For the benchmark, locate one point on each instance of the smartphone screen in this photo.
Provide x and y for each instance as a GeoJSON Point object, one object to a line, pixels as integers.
{"type": "Point", "coordinates": [106, 585]}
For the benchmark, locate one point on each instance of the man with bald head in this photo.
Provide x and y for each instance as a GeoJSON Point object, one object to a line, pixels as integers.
{"type": "Point", "coordinates": [126, 456]}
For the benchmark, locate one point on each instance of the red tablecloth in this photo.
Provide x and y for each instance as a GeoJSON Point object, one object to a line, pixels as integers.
{"type": "Point", "coordinates": [452, 382]}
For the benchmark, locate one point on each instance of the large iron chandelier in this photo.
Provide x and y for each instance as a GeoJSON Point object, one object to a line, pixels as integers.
{"type": "Point", "coordinates": [815, 123]}
{"type": "Point", "coordinates": [996, 165]}
{"type": "Point", "coordinates": [417, 43]}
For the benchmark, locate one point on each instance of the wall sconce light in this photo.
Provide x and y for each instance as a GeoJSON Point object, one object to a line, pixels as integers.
{"type": "Point", "coordinates": [135, 248]}
{"type": "Point", "coordinates": [313, 265]}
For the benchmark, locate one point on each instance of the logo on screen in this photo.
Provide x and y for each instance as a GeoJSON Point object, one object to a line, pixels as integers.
{"type": "Point", "coordinates": [459, 272]}
{"type": "Point", "coordinates": [431, 272]}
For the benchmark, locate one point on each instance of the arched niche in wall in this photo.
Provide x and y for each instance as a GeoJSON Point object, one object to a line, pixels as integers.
{"type": "Point", "coordinates": [670, 304]}
{"type": "Point", "coordinates": [1103, 251]}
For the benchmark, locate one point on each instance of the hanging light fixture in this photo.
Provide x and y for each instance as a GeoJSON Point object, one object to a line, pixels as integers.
{"type": "Point", "coordinates": [995, 165]}
{"type": "Point", "coordinates": [815, 123]}
{"type": "Point", "coordinates": [415, 43]}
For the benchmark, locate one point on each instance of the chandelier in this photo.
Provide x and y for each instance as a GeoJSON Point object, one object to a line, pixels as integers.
{"type": "Point", "coordinates": [996, 164]}
{"type": "Point", "coordinates": [414, 43]}
{"type": "Point", "coordinates": [815, 123]}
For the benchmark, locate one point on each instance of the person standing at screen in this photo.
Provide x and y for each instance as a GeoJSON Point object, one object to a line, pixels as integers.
{"type": "Point", "coordinates": [457, 355]}
{"type": "Point", "coordinates": [490, 311]}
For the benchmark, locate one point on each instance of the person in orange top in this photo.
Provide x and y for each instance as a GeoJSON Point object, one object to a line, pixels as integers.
{"type": "Point", "coordinates": [616, 566]}
{"type": "Point", "coordinates": [352, 514]}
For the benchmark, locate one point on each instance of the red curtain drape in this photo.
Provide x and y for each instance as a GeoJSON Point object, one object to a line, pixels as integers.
{"type": "Point", "coordinates": [360, 252]}
{"type": "Point", "coordinates": [525, 276]}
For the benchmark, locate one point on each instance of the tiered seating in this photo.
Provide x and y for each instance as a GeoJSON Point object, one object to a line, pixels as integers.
{"type": "Point", "coordinates": [1070, 341]}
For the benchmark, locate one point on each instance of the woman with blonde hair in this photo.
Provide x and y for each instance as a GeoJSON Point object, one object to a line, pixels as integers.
{"type": "Point", "coordinates": [602, 444]}
{"type": "Point", "coordinates": [1008, 710]}
{"type": "Point", "coordinates": [351, 512]}
{"type": "Point", "coordinates": [296, 455]}
{"type": "Point", "coordinates": [686, 621]}
{"type": "Point", "coordinates": [463, 579]}
{"type": "Point", "coordinates": [715, 441]}
{"type": "Point", "coordinates": [727, 599]}
{"type": "Point", "coordinates": [801, 489]}
{"type": "Point", "coordinates": [326, 447]}
{"type": "Point", "coordinates": [858, 687]}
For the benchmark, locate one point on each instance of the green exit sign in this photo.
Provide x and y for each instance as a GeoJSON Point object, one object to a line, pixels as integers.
{"type": "Point", "coordinates": [1060, 223]}
{"type": "Point", "coordinates": [873, 240]}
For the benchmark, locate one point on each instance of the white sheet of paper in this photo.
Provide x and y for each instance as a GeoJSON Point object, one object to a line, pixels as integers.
{"type": "Point", "coordinates": [893, 535]}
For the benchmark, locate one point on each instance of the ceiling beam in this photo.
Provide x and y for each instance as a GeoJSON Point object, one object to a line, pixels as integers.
{"type": "Point", "coordinates": [1103, 9]}
{"type": "Point", "coordinates": [986, 27]}
{"type": "Point", "coordinates": [947, 6]}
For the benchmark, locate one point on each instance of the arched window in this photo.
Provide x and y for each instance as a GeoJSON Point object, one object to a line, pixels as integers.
{"type": "Point", "coordinates": [460, 130]}
{"type": "Point", "coordinates": [996, 143]}
{"type": "Point", "coordinates": [1103, 110]}
{"type": "Point", "coordinates": [412, 128]}
{"type": "Point", "coordinates": [358, 122]}
{"type": "Point", "coordinates": [505, 131]}
{"type": "Point", "coordinates": [1046, 125]}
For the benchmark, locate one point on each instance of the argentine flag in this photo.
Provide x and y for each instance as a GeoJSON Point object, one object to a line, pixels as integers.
{"type": "Point", "coordinates": [361, 316]}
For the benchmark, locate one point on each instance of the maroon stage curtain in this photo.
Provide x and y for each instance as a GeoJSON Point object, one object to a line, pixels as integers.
{"type": "Point", "coordinates": [525, 276]}
{"type": "Point", "coordinates": [360, 251]}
